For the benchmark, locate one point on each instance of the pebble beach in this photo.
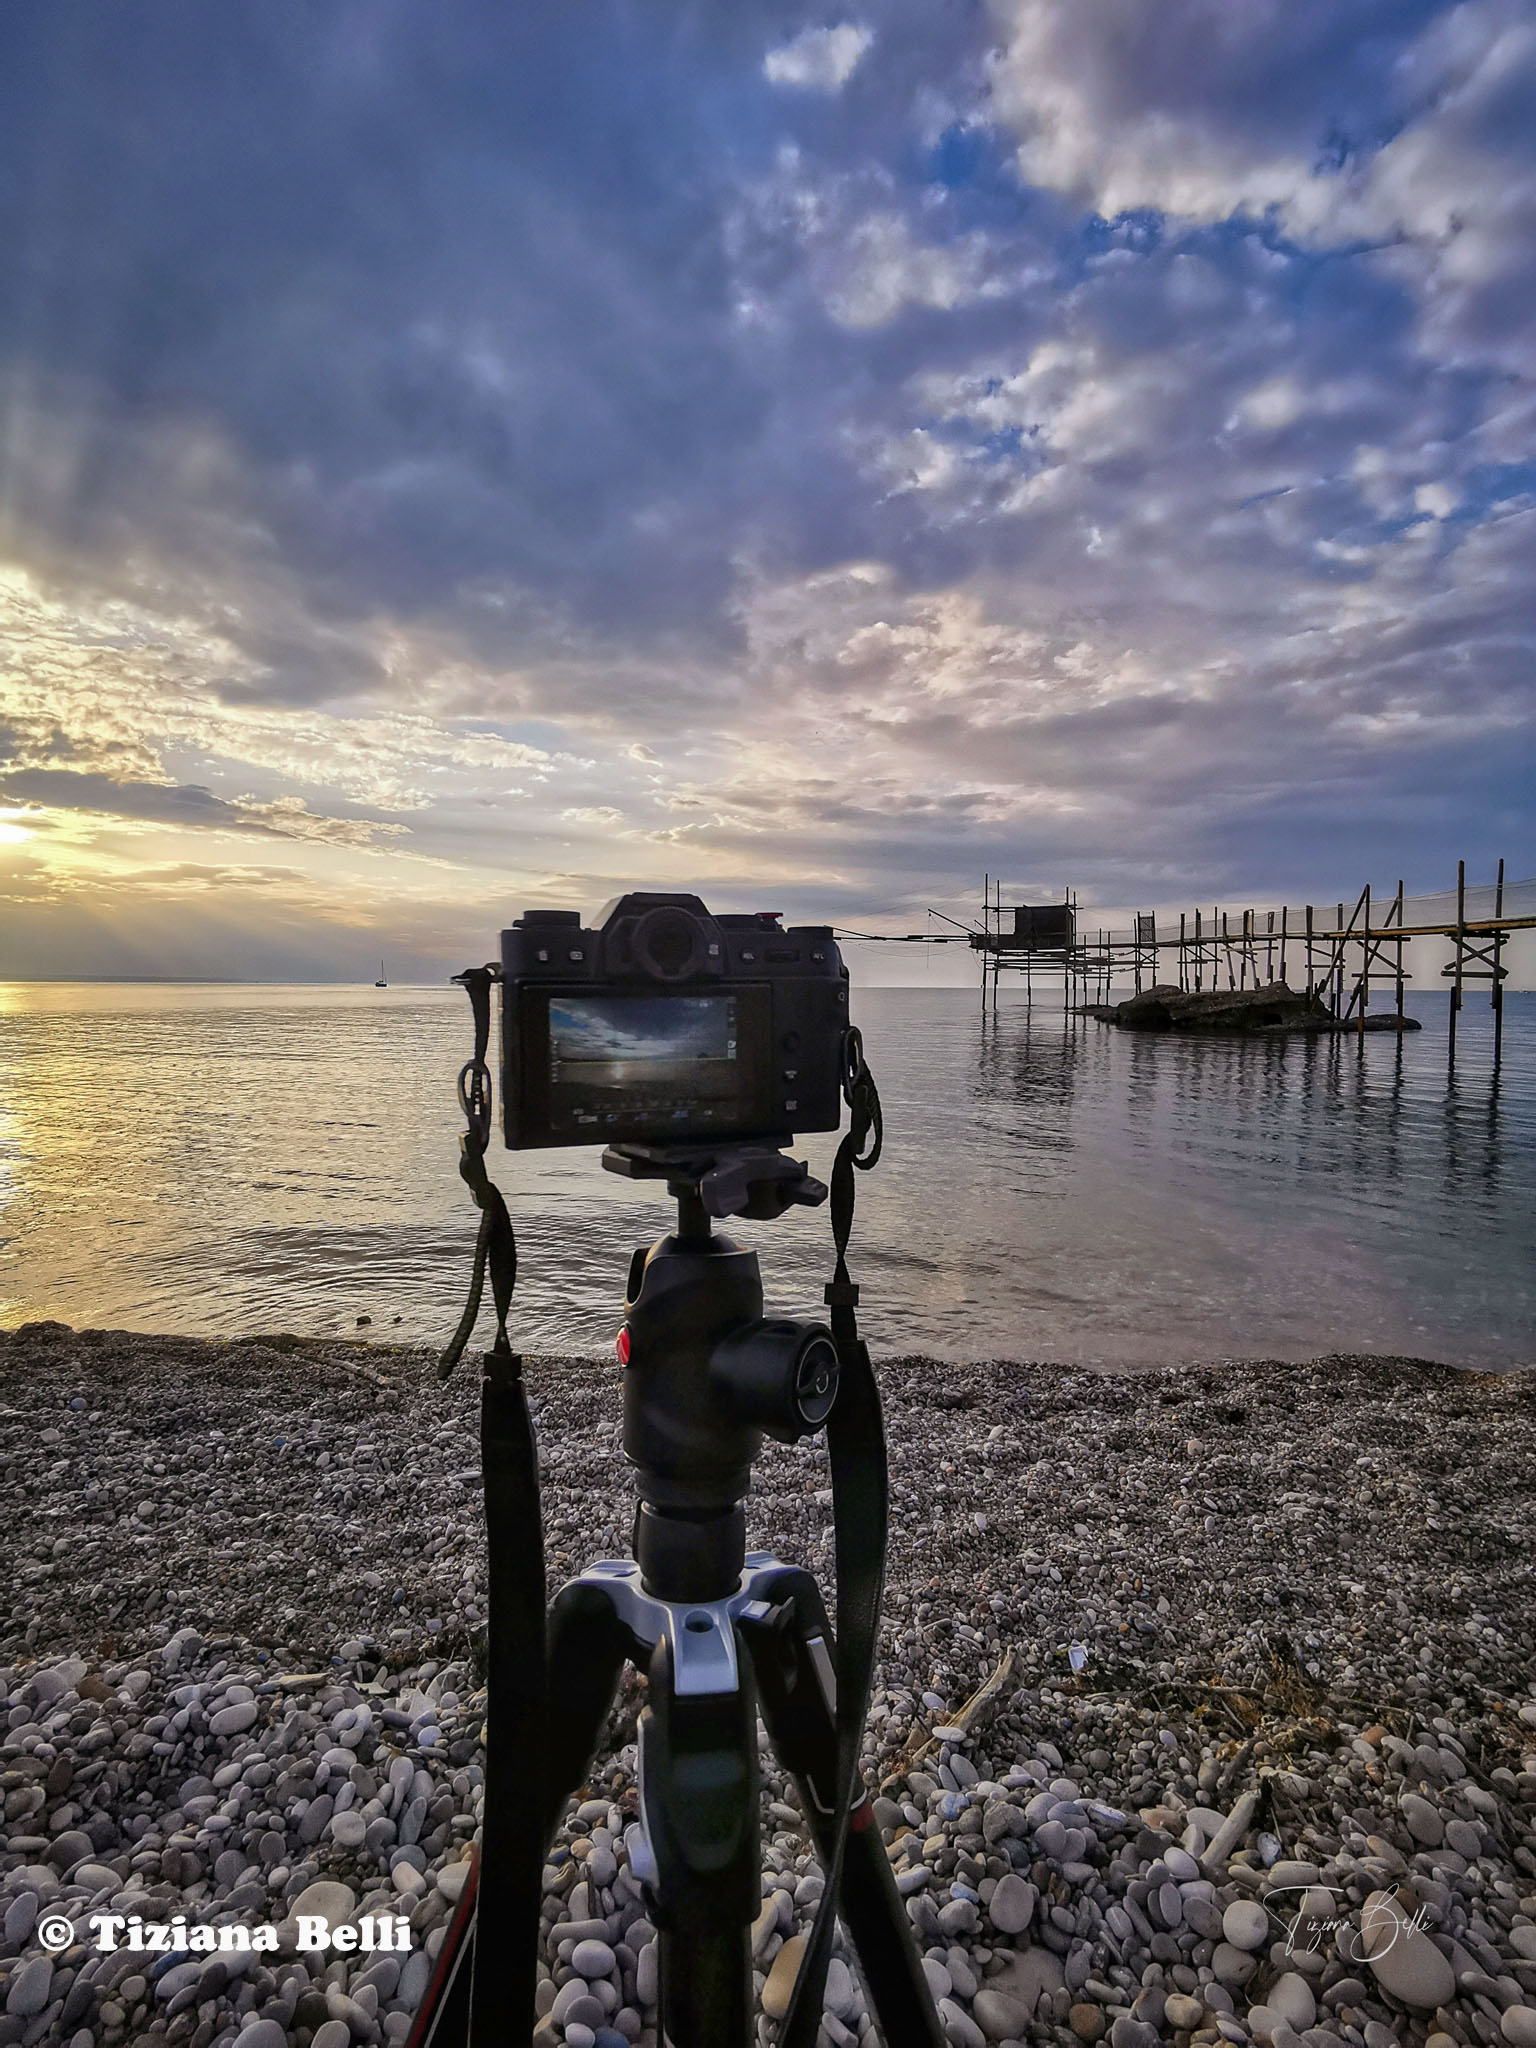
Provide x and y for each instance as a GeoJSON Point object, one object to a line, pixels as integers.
{"type": "Point", "coordinates": [1206, 1709]}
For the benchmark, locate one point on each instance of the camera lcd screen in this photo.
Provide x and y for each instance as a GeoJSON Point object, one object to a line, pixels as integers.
{"type": "Point", "coordinates": [681, 1044]}
{"type": "Point", "coordinates": [617, 1066]}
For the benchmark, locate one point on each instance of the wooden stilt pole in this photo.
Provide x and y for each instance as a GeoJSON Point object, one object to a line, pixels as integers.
{"type": "Point", "coordinates": [1400, 959]}
{"type": "Point", "coordinates": [1461, 920]}
{"type": "Point", "coordinates": [1498, 974]}
{"type": "Point", "coordinates": [1001, 915]}
{"type": "Point", "coordinates": [1365, 965]}
{"type": "Point", "coordinates": [1282, 941]}
{"type": "Point", "coordinates": [986, 934]}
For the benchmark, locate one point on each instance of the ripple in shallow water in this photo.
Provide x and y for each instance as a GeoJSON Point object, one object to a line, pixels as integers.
{"type": "Point", "coordinates": [218, 1160]}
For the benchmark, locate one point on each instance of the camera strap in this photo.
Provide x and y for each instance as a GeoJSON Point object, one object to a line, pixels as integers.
{"type": "Point", "coordinates": [860, 1510]}
{"type": "Point", "coordinates": [510, 1877]}
{"type": "Point", "coordinates": [495, 1246]}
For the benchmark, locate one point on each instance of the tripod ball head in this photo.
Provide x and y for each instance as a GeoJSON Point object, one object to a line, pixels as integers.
{"type": "Point", "coordinates": [708, 1375]}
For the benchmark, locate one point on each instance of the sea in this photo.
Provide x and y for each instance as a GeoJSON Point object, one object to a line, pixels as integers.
{"type": "Point", "coordinates": [233, 1160]}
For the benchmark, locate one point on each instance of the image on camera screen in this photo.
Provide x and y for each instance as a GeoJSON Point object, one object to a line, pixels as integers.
{"type": "Point", "coordinates": [623, 1043]}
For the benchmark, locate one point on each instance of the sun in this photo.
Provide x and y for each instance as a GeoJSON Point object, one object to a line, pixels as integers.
{"type": "Point", "coordinates": [13, 834]}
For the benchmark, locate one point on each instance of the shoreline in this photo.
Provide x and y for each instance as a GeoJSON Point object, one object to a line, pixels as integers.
{"type": "Point", "coordinates": [366, 1346]}
{"type": "Point", "coordinates": [1306, 1583]}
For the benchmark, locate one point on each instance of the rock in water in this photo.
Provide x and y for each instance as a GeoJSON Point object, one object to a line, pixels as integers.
{"type": "Point", "coordinates": [1271, 1007]}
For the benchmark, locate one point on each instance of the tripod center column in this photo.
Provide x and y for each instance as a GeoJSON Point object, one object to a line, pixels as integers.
{"type": "Point", "coordinates": [692, 1456]}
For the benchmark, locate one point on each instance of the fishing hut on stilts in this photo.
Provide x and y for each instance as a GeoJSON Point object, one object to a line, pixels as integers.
{"type": "Point", "coordinates": [1340, 953]}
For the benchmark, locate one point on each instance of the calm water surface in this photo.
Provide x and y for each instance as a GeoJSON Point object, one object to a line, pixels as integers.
{"type": "Point", "coordinates": [225, 1160]}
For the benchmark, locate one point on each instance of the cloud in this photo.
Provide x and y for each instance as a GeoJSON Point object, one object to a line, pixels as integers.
{"type": "Point", "coordinates": [1366, 125]}
{"type": "Point", "coordinates": [818, 59]}
{"type": "Point", "coordinates": [185, 806]}
{"type": "Point", "coordinates": [1087, 443]}
{"type": "Point", "coordinates": [1438, 500]}
{"type": "Point", "coordinates": [865, 259]}
{"type": "Point", "coordinates": [600, 815]}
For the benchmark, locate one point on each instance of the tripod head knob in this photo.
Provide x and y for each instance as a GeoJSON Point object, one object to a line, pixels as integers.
{"type": "Point", "coordinates": [781, 1376]}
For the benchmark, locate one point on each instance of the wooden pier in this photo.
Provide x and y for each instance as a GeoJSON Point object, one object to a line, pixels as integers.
{"type": "Point", "coordinates": [1340, 953]}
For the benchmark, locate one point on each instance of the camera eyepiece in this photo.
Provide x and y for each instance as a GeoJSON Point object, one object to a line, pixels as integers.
{"type": "Point", "coordinates": [668, 944]}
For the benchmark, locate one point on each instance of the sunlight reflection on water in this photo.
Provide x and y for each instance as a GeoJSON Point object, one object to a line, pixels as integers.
{"type": "Point", "coordinates": [221, 1160]}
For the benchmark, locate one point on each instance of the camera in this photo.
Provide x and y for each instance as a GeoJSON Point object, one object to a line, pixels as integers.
{"type": "Point", "coordinates": [667, 1025]}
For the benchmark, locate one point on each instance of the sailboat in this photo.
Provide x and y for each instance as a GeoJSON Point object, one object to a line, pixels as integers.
{"type": "Point", "coordinates": [381, 982]}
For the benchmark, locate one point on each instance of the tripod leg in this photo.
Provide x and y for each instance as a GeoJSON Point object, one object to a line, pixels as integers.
{"type": "Point", "coordinates": [442, 2018]}
{"type": "Point", "coordinates": [587, 1644]}
{"type": "Point", "coordinates": [797, 1713]}
{"type": "Point", "coordinates": [698, 1779]}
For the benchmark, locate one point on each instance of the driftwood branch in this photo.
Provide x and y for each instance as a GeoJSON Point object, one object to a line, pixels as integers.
{"type": "Point", "coordinates": [919, 1747]}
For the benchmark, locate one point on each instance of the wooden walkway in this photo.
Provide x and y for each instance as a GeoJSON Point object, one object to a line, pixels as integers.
{"type": "Point", "coordinates": [1341, 955]}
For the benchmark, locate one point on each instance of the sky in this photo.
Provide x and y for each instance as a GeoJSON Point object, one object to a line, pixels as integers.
{"type": "Point", "coordinates": [463, 457]}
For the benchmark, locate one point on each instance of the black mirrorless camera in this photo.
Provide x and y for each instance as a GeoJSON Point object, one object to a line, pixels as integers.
{"type": "Point", "coordinates": [667, 1025]}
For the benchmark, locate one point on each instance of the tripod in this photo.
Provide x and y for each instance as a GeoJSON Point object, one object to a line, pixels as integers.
{"type": "Point", "coordinates": [719, 1634]}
